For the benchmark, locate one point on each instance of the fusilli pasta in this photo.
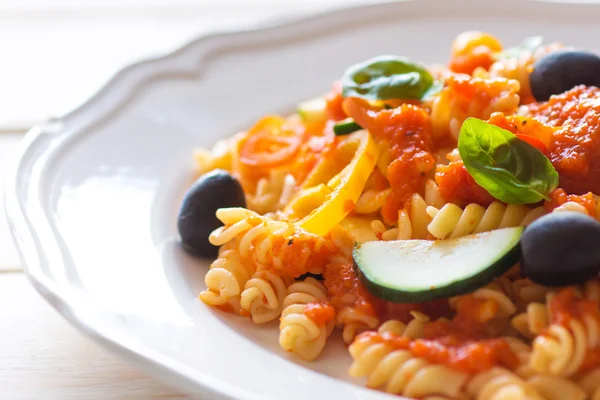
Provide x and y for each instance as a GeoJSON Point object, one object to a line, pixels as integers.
{"type": "Point", "coordinates": [590, 383]}
{"type": "Point", "coordinates": [263, 296]}
{"type": "Point", "coordinates": [452, 221]}
{"type": "Point", "coordinates": [226, 279]}
{"type": "Point", "coordinates": [273, 193]}
{"type": "Point", "coordinates": [501, 384]}
{"type": "Point", "coordinates": [354, 322]}
{"type": "Point", "coordinates": [562, 350]}
{"type": "Point", "coordinates": [398, 371]}
{"type": "Point", "coordinates": [299, 333]}
{"type": "Point", "coordinates": [486, 96]}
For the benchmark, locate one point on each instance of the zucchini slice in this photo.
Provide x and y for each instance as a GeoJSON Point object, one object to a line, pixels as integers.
{"type": "Point", "coordinates": [409, 271]}
{"type": "Point", "coordinates": [313, 110]}
{"type": "Point", "coordinates": [346, 127]}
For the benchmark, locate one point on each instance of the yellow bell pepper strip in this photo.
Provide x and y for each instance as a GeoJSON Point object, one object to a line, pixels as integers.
{"type": "Point", "coordinates": [346, 186]}
{"type": "Point", "coordinates": [306, 201]}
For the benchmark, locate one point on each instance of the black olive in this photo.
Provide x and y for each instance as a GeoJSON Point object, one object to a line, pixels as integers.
{"type": "Point", "coordinates": [213, 190]}
{"type": "Point", "coordinates": [318, 277]}
{"type": "Point", "coordinates": [561, 248]}
{"type": "Point", "coordinates": [562, 70]}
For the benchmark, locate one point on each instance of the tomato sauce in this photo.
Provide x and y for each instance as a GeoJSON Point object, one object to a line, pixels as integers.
{"type": "Point", "coordinates": [575, 148]}
{"type": "Point", "coordinates": [317, 142]}
{"type": "Point", "coordinates": [346, 290]}
{"type": "Point", "coordinates": [520, 125]}
{"type": "Point", "coordinates": [559, 197]}
{"type": "Point", "coordinates": [301, 254]}
{"type": "Point", "coordinates": [333, 101]}
{"type": "Point", "coordinates": [320, 312]}
{"type": "Point", "coordinates": [472, 50]}
{"type": "Point", "coordinates": [566, 306]}
{"type": "Point", "coordinates": [458, 186]}
{"type": "Point", "coordinates": [407, 129]}
{"type": "Point", "coordinates": [467, 356]}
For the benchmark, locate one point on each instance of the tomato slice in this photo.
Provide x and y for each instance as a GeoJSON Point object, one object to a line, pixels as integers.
{"type": "Point", "coordinates": [535, 142]}
{"type": "Point", "coordinates": [270, 143]}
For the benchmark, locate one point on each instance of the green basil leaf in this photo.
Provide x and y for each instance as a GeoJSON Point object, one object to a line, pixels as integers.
{"type": "Point", "coordinates": [528, 45]}
{"type": "Point", "coordinates": [388, 77]}
{"type": "Point", "coordinates": [510, 169]}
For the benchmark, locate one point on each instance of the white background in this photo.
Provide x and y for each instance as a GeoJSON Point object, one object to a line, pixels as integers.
{"type": "Point", "coordinates": [55, 53]}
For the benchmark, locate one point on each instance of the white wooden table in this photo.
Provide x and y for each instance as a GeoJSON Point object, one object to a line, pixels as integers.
{"type": "Point", "coordinates": [54, 54]}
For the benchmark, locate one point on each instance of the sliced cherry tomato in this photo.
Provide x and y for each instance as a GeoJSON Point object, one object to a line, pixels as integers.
{"type": "Point", "coordinates": [535, 142]}
{"type": "Point", "coordinates": [270, 143]}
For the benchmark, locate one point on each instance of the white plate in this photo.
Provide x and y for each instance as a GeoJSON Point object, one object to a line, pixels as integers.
{"type": "Point", "coordinates": [93, 197]}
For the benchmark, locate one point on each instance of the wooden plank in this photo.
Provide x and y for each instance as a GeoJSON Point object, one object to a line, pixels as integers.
{"type": "Point", "coordinates": [43, 357]}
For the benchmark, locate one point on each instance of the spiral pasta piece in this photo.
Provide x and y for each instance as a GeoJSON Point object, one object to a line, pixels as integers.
{"type": "Point", "coordinates": [299, 333]}
{"type": "Point", "coordinates": [413, 220]}
{"type": "Point", "coordinates": [263, 297]}
{"type": "Point", "coordinates": [533, 321]}
{"type": "Point", "coordinates": [590, 383]}
{"type": "Point", "coordinates": [483, 97]}
{"type": "Point", "coordinates": [354, 322]}
{"type": "Point", "coordinates": [572, 206]}
{"type": "Point", "coordinates": [452, 221]}
{"type": "Point", "coordinates": [273, 193]}
{"type": "Point", "coordinates": [520, 67]}
{"type": "Point", "coordinates": [526, 291]}
{"type": "Point", "coordinates": [501, 384]}
{"type": "Point", "coordinates": [371, 201]}
{"type": "Point", "coordinates": [561, 350]}
{"type": "Point", "coordinates": [397, 371]}
{"type": "Point", "coordinates": [557, 388]}
{"type": "Point", "coordinates": [223, 155]}
{"type": "Point", "coordinates": [496, 302]}
{"type": "Point", "coordinates": [433, 197]}
{"type": "Point", "coordinates": [226, 279]}
{"type": "Point", "coordinates": [260, 239]}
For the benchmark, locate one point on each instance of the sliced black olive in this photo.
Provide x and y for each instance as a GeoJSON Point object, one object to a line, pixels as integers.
{"type": "Point", "coordinates": [561, 248]}
{"type": "Point", "coordinates": [318, 277]}
{"type": "Point", "coordinates": [562, 70]}
{"type": "Point", "coordinates": [214, 190]}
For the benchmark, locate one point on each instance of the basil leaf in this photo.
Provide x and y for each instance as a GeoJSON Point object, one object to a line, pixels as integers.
{"type": "Point", "coordinates": [388, 77]}
{"type": "Point", "coordinates": [528, 45]}
{"type": "Point", "coordinates": [510, 169]}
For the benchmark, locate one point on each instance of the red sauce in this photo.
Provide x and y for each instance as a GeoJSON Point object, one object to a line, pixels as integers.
{"type": "Point", "coordinates": [334, 102]}
{"type": "Point", "coordinates": [300, 254]}
{"type": "Point", "coordinates": [458, 186]}
{"type": "Point", "coordinates": [467, 356]}
{"type": "Point", "coordinates": [566, 306]}
{"type": "Point", "coordinates": [320, 312]}
{"type": "Point", "coordinates": [520, 125]}
{"type": "Point", "coordinates": [408, 132]}
{"type": "Point", "coordinates": [387, 310]}
{"type": "Point", "coordinates": [346, 290]}
{"type": "Point", "coordinates": [318, 142]}
{"type": "Point", "coordinates": [559, 197]}
{"type": "Point", "coordinates": [471, 50]}
{"type": "Point", "coordinates": [466, 64]}
{"type": "Point", "coordinates": [575, 150]}
{"type": "Point", "coordinates": [349, 205]}
{"type": "Point", "coordinates": [591, 360]}
{"type": "Point", "coordinates": [377, 180]}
